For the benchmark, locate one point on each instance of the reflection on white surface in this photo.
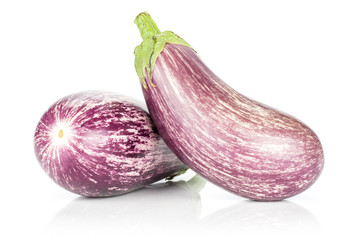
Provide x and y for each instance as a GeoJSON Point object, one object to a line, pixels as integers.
{"type": "Point", "coordinates": [154, 209]}
{"type": "Point", "coordinates": [173, 209]}
{"type": "Point", "coordinates": [282, 218]}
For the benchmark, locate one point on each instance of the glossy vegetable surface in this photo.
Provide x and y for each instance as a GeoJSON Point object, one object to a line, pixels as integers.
{"type": "Point", "coordinates": [101, 144]}
{"type": "Point", "coordinates": [237, 143]}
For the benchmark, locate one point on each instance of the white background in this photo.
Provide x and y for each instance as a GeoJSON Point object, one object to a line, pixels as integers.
{"type": "Point", "coordinates": [302, 57]}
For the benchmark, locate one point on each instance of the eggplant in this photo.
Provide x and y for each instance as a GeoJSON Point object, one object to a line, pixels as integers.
{"type": "Point", "coordinates": [235, 142]}
{"type": "Point", "coordinates": [100, 144]}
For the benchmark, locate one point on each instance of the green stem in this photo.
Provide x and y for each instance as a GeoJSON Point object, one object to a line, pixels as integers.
{"type": "Point", "coordinates": [146, 26]}
{"type": "Point", "coordinates": [153, 44]}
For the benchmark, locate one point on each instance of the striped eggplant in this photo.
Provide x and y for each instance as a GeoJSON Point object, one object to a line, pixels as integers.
{"type": "Point", "coordinates": [239, 144]}
{"type": "Point", "coordinates": [100, 144]}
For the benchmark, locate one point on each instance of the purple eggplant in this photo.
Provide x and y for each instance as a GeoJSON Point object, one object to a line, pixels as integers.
{"type": "Point", "coordinates": [239, 144]}
{"type": "Point", "coordinates": [99, 144]}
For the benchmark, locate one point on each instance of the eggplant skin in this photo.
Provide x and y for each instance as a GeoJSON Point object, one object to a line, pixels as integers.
{"type": "Point", "coordinates": [239, 144]}
{"type": "Point", "coordinates": [100, 144]}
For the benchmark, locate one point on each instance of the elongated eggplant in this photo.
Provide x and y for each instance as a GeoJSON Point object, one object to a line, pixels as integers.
{"type": "Point", "coordinates": [237, 143]}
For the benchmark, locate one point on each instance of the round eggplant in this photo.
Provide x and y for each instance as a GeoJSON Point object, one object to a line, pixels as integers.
{"type": "Point", "coordinates": [99, 144]}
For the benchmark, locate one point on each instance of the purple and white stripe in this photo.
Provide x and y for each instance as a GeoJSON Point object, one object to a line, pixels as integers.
{"type": "Point", "coordinates": [100, 144]}
{"type": "Point", "coordinates": [239, 144]}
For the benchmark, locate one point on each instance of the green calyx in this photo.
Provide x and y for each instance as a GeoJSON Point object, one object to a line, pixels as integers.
{"type": "Point", "coordinates": [171, 177]}
{"type": "Point", "coordinates": [153, 43]}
